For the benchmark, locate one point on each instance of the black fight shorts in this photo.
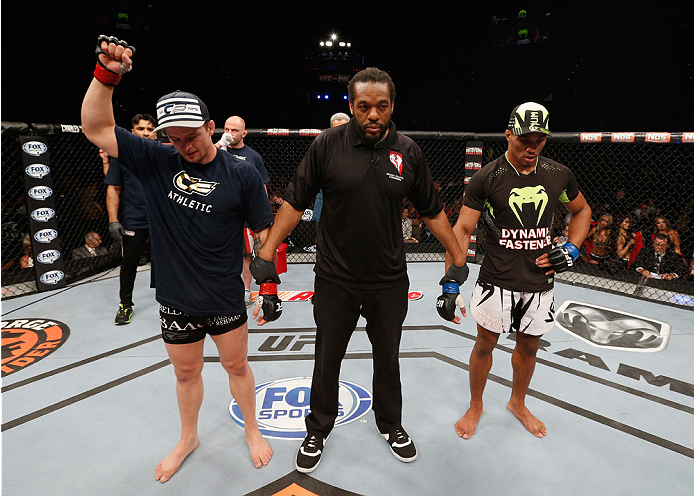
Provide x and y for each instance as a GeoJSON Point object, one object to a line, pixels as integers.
{"type": "Point", "coordinates": [177, 327]}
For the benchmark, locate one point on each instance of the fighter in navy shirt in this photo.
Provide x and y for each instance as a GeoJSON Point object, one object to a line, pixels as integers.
{"type": "Point", "coordinates": [197, 199]}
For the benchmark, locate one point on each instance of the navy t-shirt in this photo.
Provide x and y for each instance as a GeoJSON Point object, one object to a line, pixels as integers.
{"type": "Point", "coordinates": [132, 199]}
{"type": "Point", "coordinates": [250, 155]}
{"type": "Point", "coordinates": [196, 215]}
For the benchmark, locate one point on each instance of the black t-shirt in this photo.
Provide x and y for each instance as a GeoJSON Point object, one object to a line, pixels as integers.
{"type": "Point", "coordinates": [196, 215]}
{"type": "Point", "coordinates": [359, 241]}
{"type": "Point", "coordinates": [520, 208]}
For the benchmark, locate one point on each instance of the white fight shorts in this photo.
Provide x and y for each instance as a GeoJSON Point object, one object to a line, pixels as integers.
{"type": "Point", "coordinates": [500, 310]}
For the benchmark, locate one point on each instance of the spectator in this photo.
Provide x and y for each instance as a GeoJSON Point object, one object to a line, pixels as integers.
{"type": "Point", "coordinates": [91, 247]}
{"type": "Point", "coordinates": [27, 259]}
{"type": "Point", "coordinates": [563, 238]}
{"type": "Point", "coordinates": [626, 243]}
{"type": "Point", "coordinates": [662, 226]}
{"type": "Point", "coordinates": [600, 242]}
{"type": "Point", "coordinates": [407, 234]}
{"type": "Point", "coordinates": [658, 262]}
{"type": "Point", "coordinates": [619, 204]}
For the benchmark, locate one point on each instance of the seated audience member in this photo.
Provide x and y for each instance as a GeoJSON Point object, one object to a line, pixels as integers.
{"type": "Point", "coordinates": [600, 245]}
{"type": "Point", "coordinates": [27, 259]}
{"type": "Point", "coordinates": [407, 227]}
{"type": "Point", "coordinates": [662, 226]}
{"type": "Point", "coordinates": [563, 237]}
{"type": "Point", "coordinates": [657, 262]}
{"type": "Point", "coordinates": [625, 243]}
{"type": "Point", "coordinates": [91, 247]}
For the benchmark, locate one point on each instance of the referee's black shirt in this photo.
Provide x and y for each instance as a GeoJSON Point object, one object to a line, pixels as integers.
{"type": "Point", "coordinates": [360, 242]}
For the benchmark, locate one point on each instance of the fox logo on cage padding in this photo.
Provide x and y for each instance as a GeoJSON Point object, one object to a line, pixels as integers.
{"type": "Point", "coordinates": [26, 341]}
{"type": "Point", "coordinates": [612, 329]}
{"type": "Point", "coordinates": [282, 405]}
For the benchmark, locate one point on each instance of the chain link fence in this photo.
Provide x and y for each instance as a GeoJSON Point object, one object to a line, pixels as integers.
{"type": "Point", "coordinates": [79, 194]}
{"type": "Point", "coordinates": [642, 175]}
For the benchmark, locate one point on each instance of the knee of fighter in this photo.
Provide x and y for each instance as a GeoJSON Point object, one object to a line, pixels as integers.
{"type": "Point", "coordinates": [188, 373]}
{"type": "Point", "coordinates": [528, 349]}
{"type": "Point", "coordinates": [235, 367]}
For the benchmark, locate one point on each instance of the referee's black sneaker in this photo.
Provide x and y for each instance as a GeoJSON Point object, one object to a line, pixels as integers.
{"type": "Point", "coordinates": [401, 445]}
{"type": "Point", "coordinates": [308, 457]}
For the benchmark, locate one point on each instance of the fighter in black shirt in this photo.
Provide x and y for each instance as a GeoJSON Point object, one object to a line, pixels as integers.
{"type": "Point", "coordinates": [516, 194]}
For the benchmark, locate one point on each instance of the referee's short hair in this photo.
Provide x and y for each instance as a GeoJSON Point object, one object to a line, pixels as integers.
{"type": "Point", "coordinates": [371, 75]}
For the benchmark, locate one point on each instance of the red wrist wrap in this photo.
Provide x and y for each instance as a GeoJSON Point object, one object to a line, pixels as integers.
{"type": "Point", "coordinates": [105, 76]}
{"type": "Point", "coordinates": [268, 288]}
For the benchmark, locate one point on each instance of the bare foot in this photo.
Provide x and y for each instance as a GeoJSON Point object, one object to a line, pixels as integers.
{"type": "Point", "coordinates": [530, 421]}
{"type": "Point", "coordinates": [169, 465]}
{"type": "Point", "coordinates": [260, 449]}
{"type": "Point", "coordinates": [466, 425]}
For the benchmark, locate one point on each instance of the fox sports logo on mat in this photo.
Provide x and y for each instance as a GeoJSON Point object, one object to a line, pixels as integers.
{"type": "Point", "coordinates": [282, 405]}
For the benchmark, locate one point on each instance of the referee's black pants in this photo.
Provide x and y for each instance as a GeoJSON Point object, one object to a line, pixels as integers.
{"type": "Point", "coordinates": [133, 247]}
{"type": "Point", "coordinates": [336, 310]}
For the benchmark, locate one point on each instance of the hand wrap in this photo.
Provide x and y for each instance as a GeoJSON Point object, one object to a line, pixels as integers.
{"type": "Point", "coordinates": [101, 72]}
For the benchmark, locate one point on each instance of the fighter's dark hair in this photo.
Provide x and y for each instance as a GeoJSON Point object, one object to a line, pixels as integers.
{"type": "Point", "coordinates": [143, 117]}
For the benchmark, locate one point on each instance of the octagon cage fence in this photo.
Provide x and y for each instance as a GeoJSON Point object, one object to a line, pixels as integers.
{"type": "Point", "coordinates": [645, 176]}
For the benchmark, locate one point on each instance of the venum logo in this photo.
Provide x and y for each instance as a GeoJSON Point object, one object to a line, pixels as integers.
{"type": "Point", "coordinates": [531, 194]}
{"type": "Point", "coordinates": [26, 341]}
{"type": "Point", "coordinates": [37, 171]}
{"type": "Point", "coordinates": [34, 148]}
{"type": "Point", "coordinates": [282, 405]}
{"type": "Point", "coordinates": [40, 192]}
{"type": "Point", "coordinates": [187, 184]}
{"type": "Point", "coordinates": [43, 214]}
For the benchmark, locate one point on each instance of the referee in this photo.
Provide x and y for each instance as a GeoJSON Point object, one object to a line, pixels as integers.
{"type": "Point", "coordinates": [365, 169]}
